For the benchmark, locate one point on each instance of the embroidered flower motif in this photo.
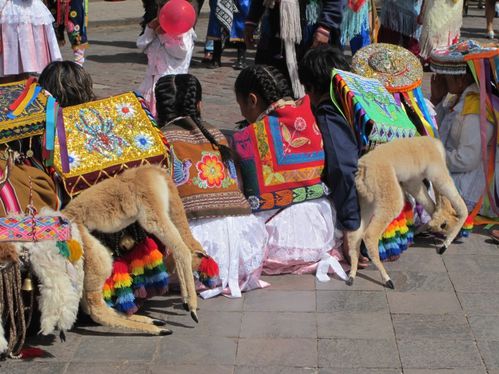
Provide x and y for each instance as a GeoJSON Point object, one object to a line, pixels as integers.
{"type": "Point", "coordinates": [73, 14]}
{"type": "Point", "coordinates": [77, 28]}
{"type": "Point", "coordinates": [74, 160]}
{"type": "Point", "coordinates": [300, 124]}
{"type": "Point", "coordinates": [211, 170]}
{"type": "Point", "coordinates": [143, 141]}
{"type": "Point", "coordinates": [254, 202]}
{"type": "Point", "coordinates": [125, 110]}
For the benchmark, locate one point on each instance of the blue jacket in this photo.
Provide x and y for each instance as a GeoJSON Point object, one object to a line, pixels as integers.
{"type": "Point", "coordinates": [341, 158]}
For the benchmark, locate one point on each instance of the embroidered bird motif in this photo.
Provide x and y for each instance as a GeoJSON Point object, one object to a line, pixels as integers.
{"type": "Point", "coordinates": [180, 169]}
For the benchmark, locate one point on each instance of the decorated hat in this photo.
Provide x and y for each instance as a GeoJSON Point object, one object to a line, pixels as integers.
{"type": "Point", "coordinates": [395, 67]}
{"type": "Point", "coordinates": [452, 60]}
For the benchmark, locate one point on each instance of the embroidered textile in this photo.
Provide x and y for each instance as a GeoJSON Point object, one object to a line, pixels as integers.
{"type": "Point", "coordinates": [208, 187]}
{"type": "Point", "coordinates": [370, 109]}
{"type": "Point", "coordinates": [282, 157]}
{"type": "Point", "coordinates": [36, 228]}
{"type": "Point", "coordinates": [402, 74]}
{"type": "Point", "coordinates": [104, 138]}
{"type": "Point", "coordinates": [22, 110]}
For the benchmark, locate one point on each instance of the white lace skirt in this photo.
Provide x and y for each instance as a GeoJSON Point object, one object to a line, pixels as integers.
{"type": "Point", "coordinates": [299, 236]}
{"type": "Point", "coordinates": [238, 246]}
{"type": "Point", "coordinates": [28, 41]}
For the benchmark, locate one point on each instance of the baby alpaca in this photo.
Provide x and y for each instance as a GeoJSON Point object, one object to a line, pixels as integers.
{"type": "Point", "coordinates": [383, 176]}
{"type": "Point", "coordinates": [147, 195]}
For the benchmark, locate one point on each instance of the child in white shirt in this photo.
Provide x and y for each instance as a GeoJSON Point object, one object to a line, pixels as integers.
{"type": "Point", "coordinates": [166, 54]}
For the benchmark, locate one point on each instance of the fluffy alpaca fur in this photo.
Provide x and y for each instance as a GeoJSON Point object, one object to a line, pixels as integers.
{"type": "Point", "coordinates": [61, 283]}
{"type": "Point", "coordinates": [382, 177]}
{"type": "Point", "coordinates": [147, 195]}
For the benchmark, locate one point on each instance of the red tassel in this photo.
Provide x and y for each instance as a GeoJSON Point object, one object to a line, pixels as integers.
{"type": "Point", "coordinates": [209, 267]}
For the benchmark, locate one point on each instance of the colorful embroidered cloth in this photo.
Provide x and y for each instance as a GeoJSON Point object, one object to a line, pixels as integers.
{"type": "Point", "coordinates": [282, 156]}
{"type": "Point", "coordinates": [207, 187]}
{"type": "Point", "coordinates": [103, 138]}
{"type": "Point", "coordinates": [370, 109]}
{"type": "Point", "coordinates": [36, 228]}
{"type": "Point", "coordinates": [22, 110]}
{"type": "Point", "coordinates": [401, 72]}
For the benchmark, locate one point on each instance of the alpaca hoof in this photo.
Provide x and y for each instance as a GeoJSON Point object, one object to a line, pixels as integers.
{"type": "Point", "coordinates": [186, 306]}
{"type": "Point", "coordinates": [158, 322]}
{"type": "Point", "coordinates": [389, 284]}
{"type": "Point", "coordinates": [350, 281]}
{"type": "Point", "coordinates": [441, 250]}
{"type": "Point", "coordinates": [165, 332]}
{"type": "Point", "coordinates": [194, 316]}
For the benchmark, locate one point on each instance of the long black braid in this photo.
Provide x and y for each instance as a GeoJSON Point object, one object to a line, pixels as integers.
{"type": "Point", "coordinates": [265, 81]}
{"type": "Point", "coordinates": [179, 96]}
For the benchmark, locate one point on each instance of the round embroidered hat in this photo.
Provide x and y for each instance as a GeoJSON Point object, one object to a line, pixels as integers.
{"type": "Point", "coordinates": [452, 60]}
{"type": "Point", "coordinates": [398, 69]}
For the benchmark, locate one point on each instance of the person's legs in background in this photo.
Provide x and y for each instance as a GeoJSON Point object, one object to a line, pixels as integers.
{"type": "Point", "coordinates": [490, 10]}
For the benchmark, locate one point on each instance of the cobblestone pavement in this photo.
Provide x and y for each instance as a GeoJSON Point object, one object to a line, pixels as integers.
{"type": "Point", "coordinates": [443, 316]}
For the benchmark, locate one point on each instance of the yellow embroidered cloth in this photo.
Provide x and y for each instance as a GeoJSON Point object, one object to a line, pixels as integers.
{"type": "Point", "coordinates": [105, 137]}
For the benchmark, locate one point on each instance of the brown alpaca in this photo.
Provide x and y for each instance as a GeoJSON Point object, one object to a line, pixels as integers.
{"type": "Point", "coordinates": [146, 195]}
{"type": "Point", "coordinates": [383, 176]}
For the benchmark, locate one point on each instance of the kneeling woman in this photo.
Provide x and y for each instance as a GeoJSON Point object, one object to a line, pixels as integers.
{"type": "Point", "coordinates": [206, 177]}
{"type": "Point", "coordinates": [282, 161]}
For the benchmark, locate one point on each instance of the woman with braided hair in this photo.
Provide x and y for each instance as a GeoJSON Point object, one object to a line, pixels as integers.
{"type": "Point", "coordinates": [283, 141]}
{"type": "Point", "coordinates": [205, 174]}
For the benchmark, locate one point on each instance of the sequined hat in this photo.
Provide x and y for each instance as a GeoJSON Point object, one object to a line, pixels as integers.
{"type": "Point", "coordinates": [398, 69]}
{"type": "Point", "coordinates": [452, 60]}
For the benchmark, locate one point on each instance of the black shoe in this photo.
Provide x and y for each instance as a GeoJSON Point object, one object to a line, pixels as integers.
{"type": "Point", "coordinates": [240, 64]}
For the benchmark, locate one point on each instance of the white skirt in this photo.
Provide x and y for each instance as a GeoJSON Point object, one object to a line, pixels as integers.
{"type": "Point", "coordinates": [299, 236]}
{"type": "Point", "coordinates": [28, 41]}
{"type": "Point", "coordinates": [238, 246]}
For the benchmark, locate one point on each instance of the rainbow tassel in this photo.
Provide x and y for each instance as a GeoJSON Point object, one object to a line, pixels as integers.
{"type": "Point", "coordinates": [122, 282]}
{"type": "Point", "coordinates": [398, 236]}
{"type": "Point", "coordinates": [467, 228]}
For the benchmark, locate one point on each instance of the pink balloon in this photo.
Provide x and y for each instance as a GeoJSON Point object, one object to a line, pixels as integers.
{"type": "Point", "coordinates": [177, 17]}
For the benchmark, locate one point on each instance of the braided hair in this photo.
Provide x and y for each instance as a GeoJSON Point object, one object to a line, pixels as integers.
{"type": "Point", "coordinates": [265, 81]}
{"type": "Point", "coordinates": [179, 96]}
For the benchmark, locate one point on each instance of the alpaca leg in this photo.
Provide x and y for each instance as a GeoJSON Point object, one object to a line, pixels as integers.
{"type": "Point", "coordinates": [386, 211]}
{"type": "Point", "coordinates": [97, 267]}
{"type": "Point", "coordinates": [446, 187]}
{"type": "Point", "coordinates": [104, 315]}
{"type": "Point", "coordinates": [154, 218]}
{"type": "Point", "coordinates": [157, 223]}
{"type": "Point", "coordinates": [353, 240]}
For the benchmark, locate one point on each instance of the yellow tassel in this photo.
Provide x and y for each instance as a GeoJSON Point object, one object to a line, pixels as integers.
{"type": "Point", "coordinates": [75, 250]}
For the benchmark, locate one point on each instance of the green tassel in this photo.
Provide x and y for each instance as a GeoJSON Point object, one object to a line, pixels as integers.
{"type": "Point", "coordinates": [63, 249]}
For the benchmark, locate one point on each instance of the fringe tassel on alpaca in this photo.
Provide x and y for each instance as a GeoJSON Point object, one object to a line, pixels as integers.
{"type": "Point", "coordinates": [399, 235]}
{"type": "Point", "coordinates": [138, 275]}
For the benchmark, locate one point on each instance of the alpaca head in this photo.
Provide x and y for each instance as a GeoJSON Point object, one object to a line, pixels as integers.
{"type": "Point", "coordinates": [445, 218]}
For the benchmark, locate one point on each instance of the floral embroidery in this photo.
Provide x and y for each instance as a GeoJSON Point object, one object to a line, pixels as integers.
{"type": "Point", "coordinates": [300, 124]}
{"type": "Point", "coordinates": [100, 135]}
{"type": "Point", "coordinates": [212, 173]}
{"type": "Point", "coordinates": [292, 140]}
{"type": "Point", "coordinates": [144, 142]}
{"type": "Point", "coordinates": [77, 28]}
{"type": "Point", "coordinates": [254, 202]}
{"type": "Point", "coordinates": [74, 160]}
{"type": "Point", "coordinates": [73, 14]}
{"type": "Point", "coordinates": [125, 110]}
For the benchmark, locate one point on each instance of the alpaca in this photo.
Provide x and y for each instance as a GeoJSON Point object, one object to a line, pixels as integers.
{"type": "Point", "coordinates": [147, 195]}
{"type": "Point", "coordinates": [383, 176]}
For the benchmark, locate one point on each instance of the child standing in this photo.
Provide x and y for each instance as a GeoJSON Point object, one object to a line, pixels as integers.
{"type": "Point", "coordinates": [27, 38]}
{"type": "Point", "coordinates": [166, 55]}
